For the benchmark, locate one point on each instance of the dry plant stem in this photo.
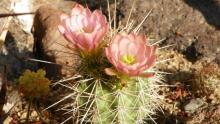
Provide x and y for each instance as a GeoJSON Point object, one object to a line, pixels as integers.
{"type": "Point", "coordinates": [41, 116]}
{"type": "Point", "coordinates": [28, 111]}
{"type": "Point", "coordinates": [3, 15]}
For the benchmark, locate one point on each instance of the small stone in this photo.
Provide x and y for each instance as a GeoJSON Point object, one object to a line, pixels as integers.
{"type": "Point", "coordinates": [23, 115]}
{"type": "Point", "coordinates": [7, 120]}
{"type": "Point", "coordinates": [177, 104]}
{"type": "Point", "coordinates": [169, 100]}
{"type": "Point", "coordinates": [194, 105]}
{"type": "Point", "coordinates": [34, 114]}
{"type": "Point", "coordinates": [19, 114]}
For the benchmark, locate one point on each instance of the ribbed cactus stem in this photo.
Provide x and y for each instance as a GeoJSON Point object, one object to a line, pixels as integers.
{"type": "Point", "coordinates": [128, 104]}
{"type": "Point", "coordinates": [104, 104]}
{"type": "Point", "coordinates": [131, 103]}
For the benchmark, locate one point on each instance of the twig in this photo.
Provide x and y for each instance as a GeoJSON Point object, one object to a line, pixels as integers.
{"type": "Point", "coordinates": [3, 15]}
{"type": "Point", "coordinates": [28, 112]}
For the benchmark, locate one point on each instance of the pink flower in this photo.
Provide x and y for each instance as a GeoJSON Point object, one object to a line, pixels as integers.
{"type": "Point", "coordinates": [131, 54]}
{"type": "Point", "coordinates": [85, 29]}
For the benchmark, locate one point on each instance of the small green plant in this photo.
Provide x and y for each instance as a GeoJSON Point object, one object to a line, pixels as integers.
{"type": "Point", "coordinates": [33, 85]}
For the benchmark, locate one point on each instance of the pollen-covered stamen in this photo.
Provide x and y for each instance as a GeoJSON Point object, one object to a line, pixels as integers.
{"type": "Point", "coordinates": [128, 59]}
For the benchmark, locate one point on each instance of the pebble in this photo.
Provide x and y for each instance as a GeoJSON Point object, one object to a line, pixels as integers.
{"type": "Point", "coordinates": [19, 114]}
{"type": "Point", "coordinates": [34, 114]}
{"type": "Point", "coordinates": [7, 120]}
{"type": "Point", "coordinates": [23, 115]}
{"type": "Point", "coordinates": [194, 105]}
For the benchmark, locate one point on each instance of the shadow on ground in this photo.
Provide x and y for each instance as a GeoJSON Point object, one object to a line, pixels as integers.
{"type": "Point", "coordinates": [14, 59]}
{"type": "Point", "coordinates": [209, 8]}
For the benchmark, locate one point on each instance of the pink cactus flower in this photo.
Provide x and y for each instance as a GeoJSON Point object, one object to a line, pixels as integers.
{"type": "Point", "coordinates": [131, 54]}
{"type": "Point", "coordinates": [85, 29]}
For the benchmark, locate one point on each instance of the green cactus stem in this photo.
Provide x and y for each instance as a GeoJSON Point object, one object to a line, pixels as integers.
{"type": "Point", "coordinates": [101, 103]}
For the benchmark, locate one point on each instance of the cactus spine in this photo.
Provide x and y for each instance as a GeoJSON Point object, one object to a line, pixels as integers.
{"type": "Point", "coordinates": [106, 101]}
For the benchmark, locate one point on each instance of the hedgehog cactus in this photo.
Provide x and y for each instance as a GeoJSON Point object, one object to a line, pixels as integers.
{"type": "Point", "coordinates": [115, 84]}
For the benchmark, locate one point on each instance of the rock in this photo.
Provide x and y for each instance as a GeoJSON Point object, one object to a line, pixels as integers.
{"type": "Point", "coordinates": [19, 114]}
{"type": "Point", "coordinates": [24, 6]}
{"type": "Point", "coordinates": [13, 101]}
{"type": "Point", "coordinates": [26, 21]}
{"type": "Point", "coordinates": [4, 9]}
{"type": "Point", "coordinates": [194, 105]}
{"type": "Point", "coordinates": [34, 114]}
{"type": "Point", "coordinates": [208, 115]}
{"type": "Point", "coordinates": [8, 120]}
{"type": "Point", "coordinates": [49, 44]}
{"type": "Point", "coordinates": [23, 116]}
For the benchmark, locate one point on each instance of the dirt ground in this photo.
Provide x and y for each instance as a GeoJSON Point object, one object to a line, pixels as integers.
{"type": "Point", "coordinates": [191, 27]}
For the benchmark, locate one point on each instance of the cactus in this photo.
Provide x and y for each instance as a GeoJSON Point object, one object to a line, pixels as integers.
{"type": "Point", "coordinates": [125, 105]}
{"type": "Point", "coordinates": [103, 99]}
{"type": "Point", "coordinates": [107, 102]}
{"type": "Point", "coordinates": [106, 91]}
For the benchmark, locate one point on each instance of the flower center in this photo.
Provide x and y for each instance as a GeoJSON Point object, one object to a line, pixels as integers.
{"type": "Point", "coordinates": [88, 29]}
{"type": "Point", "coordinates": [128, 59]}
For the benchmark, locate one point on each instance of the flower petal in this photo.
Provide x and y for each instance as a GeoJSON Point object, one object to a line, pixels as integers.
{"type": "Point", "coordinates": [122, 49]}
{"type": "Point", "coordinates": [84, 28]}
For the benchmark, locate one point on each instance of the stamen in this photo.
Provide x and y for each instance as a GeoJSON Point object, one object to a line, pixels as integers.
{"type": "Point", "coordinates": [128, 59]}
